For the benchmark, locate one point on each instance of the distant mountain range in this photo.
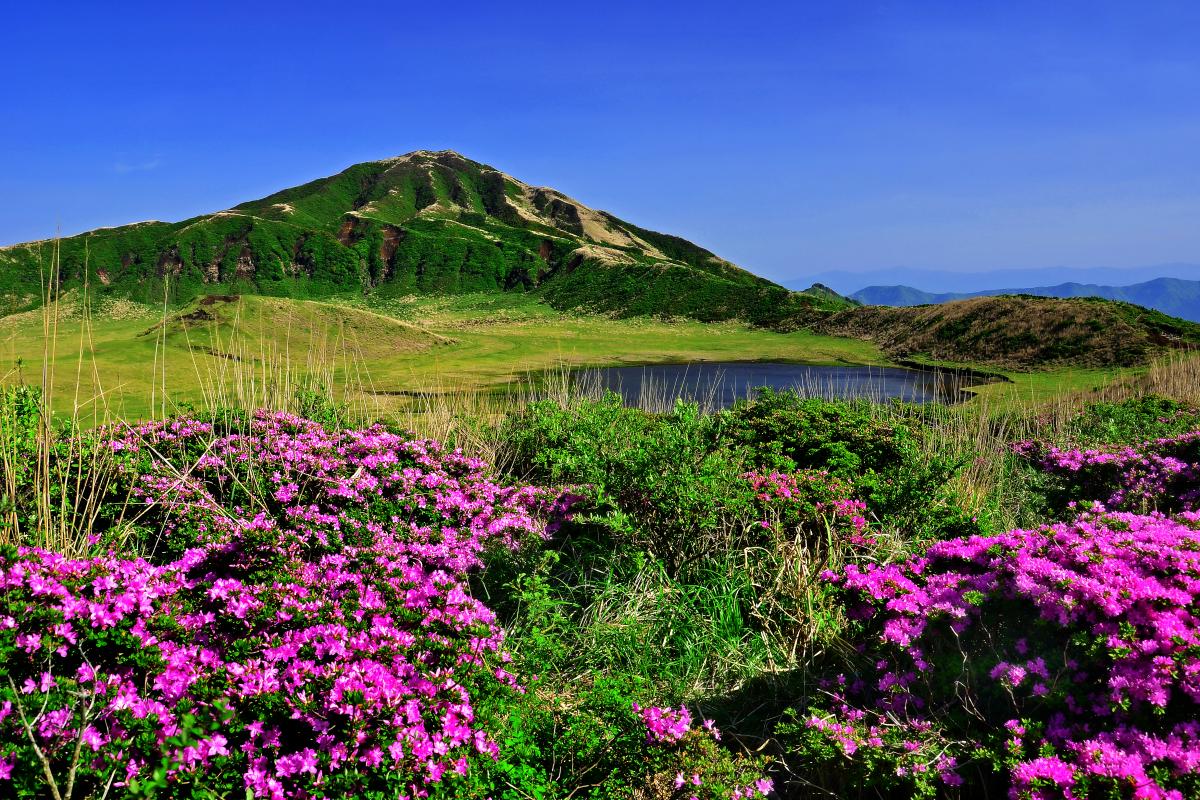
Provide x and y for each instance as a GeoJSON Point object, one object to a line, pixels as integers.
{"type": "Point", "coordinates": [422, 223]}
{"type": "Point", "coordinates": [1174, 296]}
{"type": "Point", "coordinates": [951, 281]}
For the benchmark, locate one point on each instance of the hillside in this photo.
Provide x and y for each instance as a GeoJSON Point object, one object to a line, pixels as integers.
{"type": "Point", "coordinates": [421, 223]}
{"type": "Point", "coordinates": [1018, 331]}
{"type": "Point", "coordinates": [244, 328]}
{"type": "Point", "coordinates": [1174, 296]}
{"type": "Point", "coordinates": [829, 296]}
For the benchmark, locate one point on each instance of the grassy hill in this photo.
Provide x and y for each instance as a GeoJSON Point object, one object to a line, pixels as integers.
{"type": "Point", "coordinates": [1018, 331]}
{"type": "Point", "coordinates": [246, 327]}
{"type": "Point", "coordinates": [421, 223]}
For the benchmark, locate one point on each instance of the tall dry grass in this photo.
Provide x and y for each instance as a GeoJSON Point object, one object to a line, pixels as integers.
{"type": "Point", "coordinates": [54, 480]}
{"type": "Point", "coordinates": [57, 478]}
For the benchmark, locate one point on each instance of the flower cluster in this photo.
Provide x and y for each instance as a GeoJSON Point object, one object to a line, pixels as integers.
{"type": "Point", "coordinates": [1070, 653]}
{"type": "Point", "coordinates": [668, 726]}
{"type": "Point", "coordinates": [1161, 474]}
{"type": "Point", "coordinates": [917, 755]}
{"type": "Point", "coordinates": [791, 499]}
{"type": "Point", "coordinates": [664, 724]}
{"type": "Point", "coordinates": [303, 629]}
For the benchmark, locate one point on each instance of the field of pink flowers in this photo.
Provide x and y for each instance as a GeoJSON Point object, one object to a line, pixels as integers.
{"type": "Point", "coordinates": [278, 608]}
{"type": "Point", "coordinates": [1064, 659]}
{"type": "Point", "coordinates": [300, 625]}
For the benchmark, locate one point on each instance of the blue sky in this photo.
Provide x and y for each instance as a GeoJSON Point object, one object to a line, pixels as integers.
{"type": "Point", "coordinates": [791, 138]}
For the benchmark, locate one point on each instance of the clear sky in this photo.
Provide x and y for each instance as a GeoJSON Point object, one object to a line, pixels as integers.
{"type": "Point", "coordinates": [792, 138]}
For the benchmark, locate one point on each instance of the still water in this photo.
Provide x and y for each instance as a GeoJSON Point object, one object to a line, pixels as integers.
{"type": "Point", "coordinates": [720, 384]}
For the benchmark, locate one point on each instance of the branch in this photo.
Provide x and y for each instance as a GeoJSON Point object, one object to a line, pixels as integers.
{"type": "Point", "coordinates": [33, 741]}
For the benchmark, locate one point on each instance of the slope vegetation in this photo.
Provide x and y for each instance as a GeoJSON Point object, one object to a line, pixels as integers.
{"type": "Point", "coordinates": [244, 328]}
{"type": "Point", "coordinates": [1018, 331]}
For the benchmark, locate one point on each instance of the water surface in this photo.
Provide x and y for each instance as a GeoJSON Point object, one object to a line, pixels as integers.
{"type": "Point", "coordinates": [720, 384]}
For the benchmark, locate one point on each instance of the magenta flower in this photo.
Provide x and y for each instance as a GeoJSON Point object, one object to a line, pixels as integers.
{"type": "Point", "coordinates": [316, 641]}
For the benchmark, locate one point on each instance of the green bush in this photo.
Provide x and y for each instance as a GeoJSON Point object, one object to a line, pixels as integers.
{"type": "Point", "coordinates": [659, 483]}
{"type": "Point", "coordinates": [675, 484]}
{"type": "Point", "coordinates": [592, 744]}
{"type": "Point", "coordinates": [20, 428]}
{"type": "Point", "coordinates": [904, 489]}
{"type": "Point", "coordinates": [1135, 420]}
{"type": "Point", "coordinates": [695, 558]}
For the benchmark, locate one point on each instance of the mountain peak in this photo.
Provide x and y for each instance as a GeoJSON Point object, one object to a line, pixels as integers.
{"type": "Point", "coordinates": [428, 221]}
{"type": "Point", "coordinates": [426, 154]}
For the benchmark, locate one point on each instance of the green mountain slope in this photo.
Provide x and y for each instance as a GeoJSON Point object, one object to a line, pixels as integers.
{"type": "Point", "coordinates": [422, 223]}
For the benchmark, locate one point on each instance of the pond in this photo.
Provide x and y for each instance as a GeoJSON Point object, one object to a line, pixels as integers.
{"type": "Point", "coordinates": [720, 384]}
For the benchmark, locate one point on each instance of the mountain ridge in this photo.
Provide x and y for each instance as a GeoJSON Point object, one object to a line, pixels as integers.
{"type": "Point", "coordinates": [1175, 296]}
{"type": "Point", "coordinates": [947, 280]}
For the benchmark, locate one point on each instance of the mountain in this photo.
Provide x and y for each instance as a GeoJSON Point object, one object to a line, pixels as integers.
{"type": "Point", "coordinates": [959, 282]}
{"type": "Point", "coordinates": [1018, 331]}
{"type": "Point", "coordinates": [439, 223]}
{"type": "Point", "coordinates": [907, 296]}
{"type": "Point", "coordinates": [425, 222]}
{"type": "Point", "coordinates": [829, 296]}
{"type": "Point", "coordinates": [1179, 298]}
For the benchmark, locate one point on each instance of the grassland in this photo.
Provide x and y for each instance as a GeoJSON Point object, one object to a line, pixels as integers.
{"type": "Point", "coordinates": [137, 359]}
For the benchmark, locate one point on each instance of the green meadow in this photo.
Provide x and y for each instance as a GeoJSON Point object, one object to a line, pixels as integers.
{"type": "Point", "coordinates": [133, 360]}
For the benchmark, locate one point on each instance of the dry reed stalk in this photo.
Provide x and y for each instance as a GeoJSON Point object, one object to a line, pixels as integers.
{"type": "Point", "coordinates": [68, 476]}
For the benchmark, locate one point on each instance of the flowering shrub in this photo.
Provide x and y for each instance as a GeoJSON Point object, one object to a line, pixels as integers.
{"type": "Point", "coordinates": [792, 500]}
{"type": "Point", "coordinates": [880, 459]}
{"type": "Point", "coordinates": [664, 724]}
{"type": "Point", "coordinates": [1160, 474]}
{"type": "Point", "coordinates": [302, 629]}
{"type": "Point", "coordinates": [703, 774]}
{"type": "Point", "coordinates": [1066, 658]}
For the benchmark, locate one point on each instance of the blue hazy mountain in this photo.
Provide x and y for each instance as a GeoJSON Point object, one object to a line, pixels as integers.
{"type": "Point", "coordinates": [942, 281]}
{"type": "Point", "coordinates": [1174, 296]}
